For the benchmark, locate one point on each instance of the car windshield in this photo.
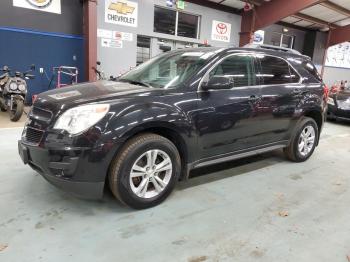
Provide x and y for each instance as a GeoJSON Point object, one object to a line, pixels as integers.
{"type": "Point", "coordinates": [168, 70]}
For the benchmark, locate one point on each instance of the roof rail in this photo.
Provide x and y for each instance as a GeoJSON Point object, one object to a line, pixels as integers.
{"type": "Point", "coordinates": [272, 47]}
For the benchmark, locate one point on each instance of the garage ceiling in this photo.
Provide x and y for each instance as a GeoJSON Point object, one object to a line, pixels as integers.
{"type": "Point", "coordinates": [322, 16]}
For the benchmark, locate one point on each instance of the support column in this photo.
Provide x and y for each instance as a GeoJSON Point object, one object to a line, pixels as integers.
{"type": "Point", "coordinates": [325, 51]}
{"type": "Point", "coordinates": [247, 28]}
{"type": "Point", "coordinates": [90, 38]}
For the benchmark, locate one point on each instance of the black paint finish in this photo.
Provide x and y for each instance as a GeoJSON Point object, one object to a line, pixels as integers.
{"type": "Point", "coordinates": [206, 125]}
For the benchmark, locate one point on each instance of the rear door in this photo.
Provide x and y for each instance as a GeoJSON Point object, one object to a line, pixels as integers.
{"type": "Point", "coordinates": [282, 95]}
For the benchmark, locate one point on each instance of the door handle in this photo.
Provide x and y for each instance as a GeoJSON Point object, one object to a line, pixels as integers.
{"type": "Point", "coordinates": [298, 91]}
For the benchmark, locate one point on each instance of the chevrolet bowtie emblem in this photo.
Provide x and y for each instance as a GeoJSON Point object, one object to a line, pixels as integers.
{"type": "Point", "coordinates": [121, 8]}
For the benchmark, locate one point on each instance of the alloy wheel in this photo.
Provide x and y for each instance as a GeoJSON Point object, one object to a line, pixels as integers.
{"type": "Point", "coordinates": [151, 173]}
{"type": "Point", "coordinates": [306, 140]}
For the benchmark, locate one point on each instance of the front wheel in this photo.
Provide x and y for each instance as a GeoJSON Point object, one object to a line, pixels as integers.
{"type": "Point", "coordinates": [303, 141]}
{"type": "Point", "coordinates": [17, 110]}
{"type": "Point", "coordinates": [145, 172]}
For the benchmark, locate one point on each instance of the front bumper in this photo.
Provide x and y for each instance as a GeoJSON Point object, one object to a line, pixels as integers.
{"type": "Point", "coordinates": [70, 169]}
{"type": "Point", "coordinates": [338, 113]}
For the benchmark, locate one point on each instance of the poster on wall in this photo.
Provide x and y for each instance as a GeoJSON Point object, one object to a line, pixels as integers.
{"type": "Point", "coordinates": [52, 6]}
{"type": "Point", "coordinates": [122, 36]}
{"type": "Point", "coordinates": [339, 55]}
{"type": "Point", "coordinates": [112, 43]}
{"type": "Point", "coordinates": [121, 12]}
{"type": "Point", "coordinates": [221, 31]}
{"type": "Point", "coordinates": [259, 37]}
{"type": "Point", "coordinates": [104, 33]}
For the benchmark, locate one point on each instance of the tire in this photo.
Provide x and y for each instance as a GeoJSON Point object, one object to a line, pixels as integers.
{"type": "Point", "coordinates": [136, 154]}
{"type": "Point", "coordinates": [293, 152]}
{"type": "Point", "coordinates": [17, 112]}
{"type": "Point", "coordinates": [2, 107]}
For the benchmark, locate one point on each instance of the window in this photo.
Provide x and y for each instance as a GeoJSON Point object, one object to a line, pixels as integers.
{"type": "Point", "coordinates": [164, 20]}
{"type": "Point", "coordinates": [168, 70]}
{"type": "Point", "coordinates": [308, 66]}
{"type": "Point", "coordinates": [239, 68]}
{"type": "Point", "coordinates": [187, 25]}
{"type": "Point", "coordinates": [177, 23]}
{"type": "Point", "coordinates": [282, 40]}
{"type": "Point", "coordinates": [143, 49]}
{"type": "Point", "coordinates": [275, 70]}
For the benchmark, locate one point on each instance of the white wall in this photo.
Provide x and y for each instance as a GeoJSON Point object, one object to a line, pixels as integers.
{"type": "Point", "coordinates": [334, 74]}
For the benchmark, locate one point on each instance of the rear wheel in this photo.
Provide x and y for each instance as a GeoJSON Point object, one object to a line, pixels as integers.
{"type": "Point", "coordinates": [17, 110]}
{"type": "Point", "coordinates": [145, 171]}
{"type": "Point", "coordinates": [303, 141]}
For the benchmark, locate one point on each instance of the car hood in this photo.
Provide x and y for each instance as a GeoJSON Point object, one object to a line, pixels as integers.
{"type": "Point", "coordinates": [75, 95]}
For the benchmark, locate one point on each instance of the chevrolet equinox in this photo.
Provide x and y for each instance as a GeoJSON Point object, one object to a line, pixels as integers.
{"type": "Point", "coordinates": [181, 110]}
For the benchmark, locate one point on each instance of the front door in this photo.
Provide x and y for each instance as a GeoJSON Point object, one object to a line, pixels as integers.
{"type": "Point", "coordinates": [226, 119]}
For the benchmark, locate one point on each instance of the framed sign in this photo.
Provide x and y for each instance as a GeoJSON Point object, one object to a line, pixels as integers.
{"type": "Point", "coordinates": [221, 31]}
{"type": "Point", "coordinates": [52, 6]}
{"type": "Point", "coordinates": [121, 12]}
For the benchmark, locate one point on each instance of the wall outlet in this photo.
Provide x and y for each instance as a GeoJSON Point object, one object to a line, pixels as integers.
{"type": "Point", "coordinates": [41, 70]}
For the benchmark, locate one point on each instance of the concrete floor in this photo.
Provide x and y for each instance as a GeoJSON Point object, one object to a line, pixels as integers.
{"type": "Point", "coordinates": [258, 209]}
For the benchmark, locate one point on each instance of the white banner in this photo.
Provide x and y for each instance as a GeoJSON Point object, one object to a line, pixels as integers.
{"type": "Point", "coordinates": [221, 31]}
{"type": "Point", "coordinates": [52, 6]}
{"type": "Point", "coordinates": [121, 12]}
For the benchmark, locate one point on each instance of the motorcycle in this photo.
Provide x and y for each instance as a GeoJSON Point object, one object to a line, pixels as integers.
{"type": "Point", "coordinates": [13, 91]}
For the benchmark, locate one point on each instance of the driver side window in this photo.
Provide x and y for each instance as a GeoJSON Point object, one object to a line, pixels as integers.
{"type": "Point", "coordinates": [239, 68]}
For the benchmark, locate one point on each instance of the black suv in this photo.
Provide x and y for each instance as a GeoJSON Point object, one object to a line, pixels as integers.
{"type": "Point", "coordinates": [181, 110]}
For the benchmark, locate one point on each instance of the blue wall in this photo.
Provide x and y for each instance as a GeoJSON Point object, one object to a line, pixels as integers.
{"type": "Point", "coordinates": [20, 48]}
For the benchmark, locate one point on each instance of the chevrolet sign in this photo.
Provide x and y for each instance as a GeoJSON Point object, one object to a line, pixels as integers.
{"type": "Point", "coordinates": [121, 12]}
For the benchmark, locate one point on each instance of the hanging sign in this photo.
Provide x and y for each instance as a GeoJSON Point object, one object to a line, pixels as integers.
{"type": "Point", "coordinates": [52, 6]}
{"type": "Point", "coordinates": [221, 31]}
{"type": "Point", "coordinates": [180, 4]}
{"type": "Point", "coordinates": [121, 12]}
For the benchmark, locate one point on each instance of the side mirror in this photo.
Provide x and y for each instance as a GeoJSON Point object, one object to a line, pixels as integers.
{"type": "Point", "coordinates": [218, 82]}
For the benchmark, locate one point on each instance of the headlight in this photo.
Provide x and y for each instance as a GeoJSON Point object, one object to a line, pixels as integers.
{"type": "Point", "coordinates": [330, 101]}
{"type": "Point", "coordinates": [79, 119]}
{"type": "Point", "coordinates": [13, 86]}
{"type": "Point", "coordinates": [22, 87]}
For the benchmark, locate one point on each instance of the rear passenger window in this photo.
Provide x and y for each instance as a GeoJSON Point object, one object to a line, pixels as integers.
{"type": "Point", "coordinates": [276, 71]}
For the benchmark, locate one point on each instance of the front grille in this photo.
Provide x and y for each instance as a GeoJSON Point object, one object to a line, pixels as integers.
{"type": "Point", "coordinates": [33, 135]}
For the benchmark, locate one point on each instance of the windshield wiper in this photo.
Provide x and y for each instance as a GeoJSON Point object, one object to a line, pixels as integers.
{"type": "Point", "coordinates": [134, 82]}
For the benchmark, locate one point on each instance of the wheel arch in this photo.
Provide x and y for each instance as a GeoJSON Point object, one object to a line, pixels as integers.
{"type": "Point", "coordinates": [167, 130]}
{"type": "Point", "coordinates": [318, 117]}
